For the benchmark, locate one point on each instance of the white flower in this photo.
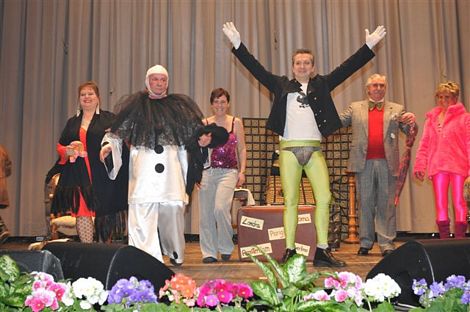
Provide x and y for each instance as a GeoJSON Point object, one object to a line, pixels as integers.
{"type": "Point", "coordinates": [381, 287]}
{"type": "Point", "coordinates": [85, 305]}
{"type": "Point", "coordinates": [90, 290]}
{"type": "Point", "coordinates": [68, 297]}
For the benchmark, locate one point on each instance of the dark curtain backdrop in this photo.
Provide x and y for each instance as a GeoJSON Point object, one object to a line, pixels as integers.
{"type": "Point", "coordinates": [48, 47]}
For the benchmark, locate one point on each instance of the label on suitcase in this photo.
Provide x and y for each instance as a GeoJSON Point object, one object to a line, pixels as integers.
{"type": "Point", "coordinates": [262, 226]}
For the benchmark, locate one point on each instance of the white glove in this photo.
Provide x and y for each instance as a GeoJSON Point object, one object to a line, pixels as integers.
{"type": "Point", "coordinates": [375, 37]}
{"type": "Point", "coordinates": [232, 34]}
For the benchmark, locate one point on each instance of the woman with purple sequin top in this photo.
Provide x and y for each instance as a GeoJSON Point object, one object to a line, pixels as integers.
{"type": "Point", "coordinates": [225, 170]}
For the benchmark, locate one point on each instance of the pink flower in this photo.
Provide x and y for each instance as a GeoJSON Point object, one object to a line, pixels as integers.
{"type": "Point", "coordinates": [35, 303]}
{"type": "Point", "coordinates": [244, 291]}
{"type": "Point", "coordinates": [346, 278]}
{"type": "Point", "coordinates": [224, 296]}
{"type": "Point", "coordinates": [41, 298]}
{"type": "Point", "coordinates": [341, 295]}
{"type": "Point", "coordinates": [211, 300]}
{"type": "Point", "coordinates": [222, 286]}
{"type": "Point", "coordinates": [59, 289]}
{"type": "Point", "coordinates": [331, 282]}
{"type": "Point", "coordinates": [319, 295]}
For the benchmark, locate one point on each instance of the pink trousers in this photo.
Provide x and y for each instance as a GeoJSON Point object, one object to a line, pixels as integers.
{"type": "Point", "coordinates": [441, 183]}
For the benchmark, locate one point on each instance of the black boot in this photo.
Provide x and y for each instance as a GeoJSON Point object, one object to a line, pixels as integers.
{"type": "Point", "coordinates": [324, 257]}
{"type": "Point", "coordinates": [289, 253]}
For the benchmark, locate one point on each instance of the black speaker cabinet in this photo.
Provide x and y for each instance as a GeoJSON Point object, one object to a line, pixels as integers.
{"type": "Point", "coordinates": [108, 263]}
{"type": "Point", "coordinates": [433, 260]}
{"type": "Point", "coordinates": [34, 260]}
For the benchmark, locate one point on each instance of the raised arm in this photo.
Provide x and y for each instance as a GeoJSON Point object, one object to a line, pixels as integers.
{"type": "Point", "coordinates": [265, 77]}
{"type": "Point", "coordinates": [357, 60]}
{"type": "Point", "coordinates": [375, 37]}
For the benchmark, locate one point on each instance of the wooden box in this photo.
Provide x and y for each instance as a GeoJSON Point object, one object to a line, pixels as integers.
{"type": "Point", "coordinates": [263, 226]}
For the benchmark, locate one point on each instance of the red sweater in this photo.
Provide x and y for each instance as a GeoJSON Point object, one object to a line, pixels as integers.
{"type": "Point", "coordinates": [375, 146]}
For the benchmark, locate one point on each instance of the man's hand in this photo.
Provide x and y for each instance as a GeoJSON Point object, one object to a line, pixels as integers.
{"type": "Point", "coordinates": [104, 152]}
{"type": "Point", "coordinates": [375, 37]}
{"type": "Point", "coordinates": [205, 139]}
{"type": "Point", "coordinates": [232, 34]}
{"type": "Point", "coordinates": [408, 118]}
{"type": "Point", "coordinates": [419, 175]}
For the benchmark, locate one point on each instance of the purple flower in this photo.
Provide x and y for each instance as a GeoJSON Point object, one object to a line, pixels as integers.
{"type": "Point", "coordinates": [466, 297]}
{"type": "Point", "coordinates": [419, 287]}
{"type": "Point", "coordinates": [131, 291]}
{"type": "Point", "coordinates": [455, 281]}
{"type": "Point", "coordinates": [437, 289]}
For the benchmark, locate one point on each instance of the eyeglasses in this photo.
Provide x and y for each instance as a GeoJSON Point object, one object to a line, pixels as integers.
{"type": "Point", "coordinates": [302, 99]}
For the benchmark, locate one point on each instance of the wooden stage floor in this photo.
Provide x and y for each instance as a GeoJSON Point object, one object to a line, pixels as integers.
{"type": "Point", "coordinates": [236, 270]}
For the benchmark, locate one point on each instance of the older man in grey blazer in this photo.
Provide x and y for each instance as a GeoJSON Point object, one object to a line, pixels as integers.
{"type": "Point", "coordinates": [374, 158]}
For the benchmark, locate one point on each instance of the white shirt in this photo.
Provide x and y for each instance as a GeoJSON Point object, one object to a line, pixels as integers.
{"type": "Point", "coordinates": [300, 121]}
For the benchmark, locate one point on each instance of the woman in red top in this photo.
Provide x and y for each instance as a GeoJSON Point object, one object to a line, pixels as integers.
{"type": "Point", "coordinates": [84, 188]}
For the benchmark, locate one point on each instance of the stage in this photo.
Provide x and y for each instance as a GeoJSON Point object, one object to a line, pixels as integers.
{"type": "Point", "coordinates": [236, 270]}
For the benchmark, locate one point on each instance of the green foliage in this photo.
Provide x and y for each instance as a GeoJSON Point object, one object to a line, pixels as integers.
{"type": "Point", "coordinates": [286, 285]}
{"type": "Point", "coordinates": [14, 286]}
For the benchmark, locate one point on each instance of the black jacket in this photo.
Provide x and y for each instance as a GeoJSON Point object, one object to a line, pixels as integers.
{"type": "Point", "coordinates": [318, 90]}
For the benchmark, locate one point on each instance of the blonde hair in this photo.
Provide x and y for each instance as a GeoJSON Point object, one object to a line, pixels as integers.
{"type": "Point", "coordinates": [448, 87]}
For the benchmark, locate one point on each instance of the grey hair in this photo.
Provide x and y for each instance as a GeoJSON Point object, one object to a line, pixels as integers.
{"type": "Point", "coordinates": [375, 76]}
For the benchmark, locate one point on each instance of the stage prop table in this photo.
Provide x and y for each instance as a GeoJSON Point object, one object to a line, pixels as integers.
{"type": "Point", "coordinates": [263, 226]}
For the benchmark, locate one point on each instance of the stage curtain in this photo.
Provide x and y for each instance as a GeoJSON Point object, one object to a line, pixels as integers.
{"type": "Point", "coordinates": [48, 47]}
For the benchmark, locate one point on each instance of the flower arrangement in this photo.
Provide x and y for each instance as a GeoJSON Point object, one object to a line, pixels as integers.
{"type": "Point", "coordinates": [291, 288]}
{"type": "Point", "coordinates": [451, 295]}
{"type": "Point", "coordinates": [80, 295]}
{"type": "Point", "coordinates": [288, 287]}
{"type": "Point", "coordinates": [46, 293]}
{"type": "Point", "coordinates": [218, 294]}
{"type": "Point", "coordinates": [130, 294]}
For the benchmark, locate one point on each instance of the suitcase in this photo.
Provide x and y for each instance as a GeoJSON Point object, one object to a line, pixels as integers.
{"type": "Point", "coordinates": [262, 226]}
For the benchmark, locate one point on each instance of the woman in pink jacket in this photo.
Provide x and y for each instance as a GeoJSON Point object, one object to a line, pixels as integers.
{"type": "Point", "coordinates": [444, 151]}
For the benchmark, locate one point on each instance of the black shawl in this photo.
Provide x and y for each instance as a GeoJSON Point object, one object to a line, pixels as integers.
{"type": "Point", "coordinates": [107, 198]}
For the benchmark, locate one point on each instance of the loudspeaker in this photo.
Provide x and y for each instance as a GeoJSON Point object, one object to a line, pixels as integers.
{"type": "Point", "coordinates": [108, 263]}
{"type": "Point", "coordinates": [34, 260]}
{"type": "Point", "coordinates": [433, 260]}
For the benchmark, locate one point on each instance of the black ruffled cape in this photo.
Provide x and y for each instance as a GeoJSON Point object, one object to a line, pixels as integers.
{"type": "Point", "coordinates": [173, 120]}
